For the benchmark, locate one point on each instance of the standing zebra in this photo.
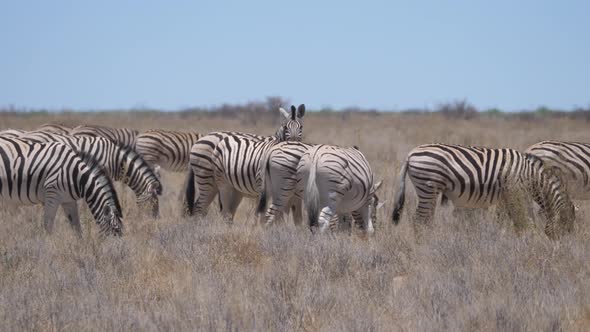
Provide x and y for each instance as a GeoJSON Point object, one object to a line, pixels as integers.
{"type": "Point", "coordinates": [53, 174]}
{"type": "Point", "coordinates": [477, 177]}
{"type": "Point", "coordinates": [573, 161]}
{"type": "Point", "coordinates": [122, 136]}
{"type": "Point", "coordinates": [227, 163]}
{"type": "Point", "coordinates": [167, 149]}
{"type": "Point", "coordinates": [338, 181]}
{"type": "Point", "coordinates": [121, 164]}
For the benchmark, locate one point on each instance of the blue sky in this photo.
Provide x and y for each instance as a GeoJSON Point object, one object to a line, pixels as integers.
{"type": "Point", "coordinates": [380, 54]}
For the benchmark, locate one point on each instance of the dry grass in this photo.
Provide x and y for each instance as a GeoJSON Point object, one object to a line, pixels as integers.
{"type": "Point", "coordinates": [472, 272]}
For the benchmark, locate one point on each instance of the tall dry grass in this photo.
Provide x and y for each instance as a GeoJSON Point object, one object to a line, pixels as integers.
{"type": "Point", "coordinates": [470, 272]}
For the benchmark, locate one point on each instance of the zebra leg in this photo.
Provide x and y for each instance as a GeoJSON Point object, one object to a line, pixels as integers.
{"type": "Point", "coordinates": [207, 192]}
{"type": "Point", "coordinates": [365, 214]}
{"type": "Point", "coordinates": [275, 212]}
{"type": "Point", "coordinates": [425, 210]}
{"type": "Point", "coordinates": [297, 211]}
{"type": "Point", "coordinates": [50, 209]}
{"type": "Point", "coordinates": [326, 215]}
{"type": "Point", "coordinates": [71, 211]}
{"type": "Point", "coordinates": [230, 200]}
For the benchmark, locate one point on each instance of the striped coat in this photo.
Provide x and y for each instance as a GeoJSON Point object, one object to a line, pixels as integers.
{"type": "Point", "coordinates": [54, 175]}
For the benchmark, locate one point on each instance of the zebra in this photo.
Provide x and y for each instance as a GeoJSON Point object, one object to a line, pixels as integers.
{"type": "Point", "coordinates": [12, 133]}
{"type": "Point", "coordinates": [572, 159]}
{"type": "Point", "coordinates": [478, 177]}
{"type": "Point", "coordinates": [122, 136]}
{"type": "Point", "coordinates": [121, 164]}
{"type": "Point", "coordinates": [53, 174]}
{"type": "Point", "coordinates": [212, 155]}
{"type": "Point", "coordinates": [280, 185]}
{"type": "Point", "coordinates": [336, 180]}
{"type": "Point", "coordinates": [167, 149]}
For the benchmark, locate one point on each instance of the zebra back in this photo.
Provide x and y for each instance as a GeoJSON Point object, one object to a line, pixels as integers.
{"type": "Point", "coordinates": [122, 136]}
{"type": "Point", "coordinates": [12, 133]}
{"type": "Point", "coordinates": [56, 128]}
{"type": "Point", "coordinates": [165, 148]}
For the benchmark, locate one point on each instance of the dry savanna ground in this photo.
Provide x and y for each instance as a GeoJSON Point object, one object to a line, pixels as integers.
{"type": "Point", "coordinates": [472, 272]}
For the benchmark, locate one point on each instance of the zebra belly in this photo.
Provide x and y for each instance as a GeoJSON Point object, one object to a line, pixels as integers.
{"type": "Point", "coordinates": [477, 199]}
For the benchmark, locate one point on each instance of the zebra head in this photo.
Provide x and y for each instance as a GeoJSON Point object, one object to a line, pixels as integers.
{"type": "Point", "coordinates": [562, 209]}
{"type": "Point", "coordinates": [550, 192]}
{"type": "Point", "coordinates": [111, 220]}
{"type": "Point", "coordinates": [292, 126]}
{"type": "Point", "coordinates": [149, 198]}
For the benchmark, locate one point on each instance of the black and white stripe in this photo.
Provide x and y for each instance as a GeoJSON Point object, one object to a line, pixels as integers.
{"type": "Point", "coordinates": [477, 177]}
{"type": "Point", "coordinates": [53, 174]}
{"type": "Point", "coordinates": [338, 181]}
{"type": "Point", "coordinates": [122, 136]}
{"type": "Point", "coordinates": [227, 163]}
{"type": "Point", "coordinates": [121, 164]}
{"type": "Point", "coordinates": [166, 149]}
{"type": "Point", "coordinates": [573, 161]}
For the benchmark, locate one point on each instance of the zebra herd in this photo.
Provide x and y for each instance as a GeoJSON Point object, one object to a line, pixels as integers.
{"type": "Point", "coordinates": [56, 165]}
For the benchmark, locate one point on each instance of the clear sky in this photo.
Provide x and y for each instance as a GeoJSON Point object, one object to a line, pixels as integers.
{"type": "Point", "coordinates": [384, 54]}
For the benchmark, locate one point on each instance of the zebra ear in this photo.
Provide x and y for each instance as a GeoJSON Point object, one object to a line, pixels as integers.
{"type": "Point", "coordinates": [293, 113]}
{"type": "Point", "coordinates": [377, 186]}
{"type": "Point", "coordinates": [284, 113]}
{"type": "Point", "coordinates": [301, 111]}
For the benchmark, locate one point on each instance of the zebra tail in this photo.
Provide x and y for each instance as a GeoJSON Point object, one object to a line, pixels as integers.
{"type": "Point", "coordinates": [265, 187]}
{"type": "Point", "coordinates": [189, 199]}
{"type": "Point", "coordinates": [312, 195]}
{"type": "Point", "coordinates": [400, 195]}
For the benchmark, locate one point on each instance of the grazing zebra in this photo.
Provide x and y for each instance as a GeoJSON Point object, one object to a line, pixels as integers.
{"type": "Point", "coordinates": [56, 128]}
{"type": "Point", "coordinates": [53, 174]}
{"type": "Point", "coordinates": [227, 163]}
{"type": "Point", "coordinates": [477, 177]}
{"type": "Point", "coordinates": [573, 161]}
{"type": "Point", "coordinates": [121, 164]}
{"type": "Point", "coordinates": [167, 149]}
{"type": "Point", "coordinates": [122, 136]}
{"type": "Point", "coordinates": [339, 181]}
{"type": "Point", "coordinates": [12, 133]}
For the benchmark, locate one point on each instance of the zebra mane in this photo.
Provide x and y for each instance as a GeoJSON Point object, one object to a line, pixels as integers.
{"type": "Point", "coordinates": [139, 159]}
{"type": "Point", "coordinates": [99, 170]}
{"type": "Point", "coordinates": [534, 158]}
